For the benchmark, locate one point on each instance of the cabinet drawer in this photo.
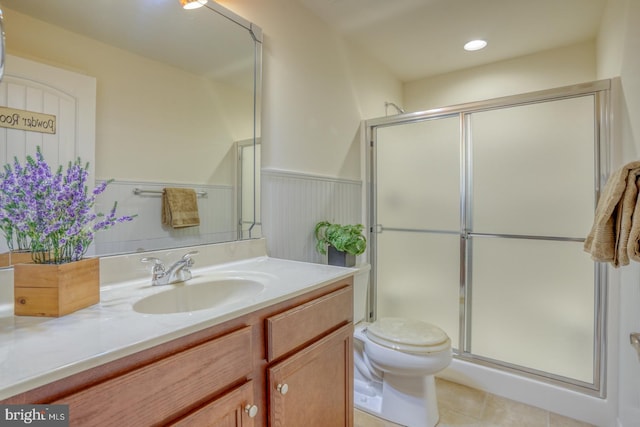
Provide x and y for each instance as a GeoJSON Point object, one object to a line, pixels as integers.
{"type": "Point", "coordinates": [154, 393]}
{"type": "Point", "coordinates": [300, 325]}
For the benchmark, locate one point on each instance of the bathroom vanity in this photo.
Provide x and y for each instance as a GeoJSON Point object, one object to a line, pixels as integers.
{"type": "Point", "coordinates": [282, 357]}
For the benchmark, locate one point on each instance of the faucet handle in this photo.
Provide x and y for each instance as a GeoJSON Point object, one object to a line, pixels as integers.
{"type": "Point", "coordinates": [158, 265]}
{"type": "Point", "coordinates": [157, 271]}
{"type": "Point", "coordinates": [188, 257]}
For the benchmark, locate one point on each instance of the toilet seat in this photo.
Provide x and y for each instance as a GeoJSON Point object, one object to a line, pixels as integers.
{"type": "Point", "coordinates": [408, 335]}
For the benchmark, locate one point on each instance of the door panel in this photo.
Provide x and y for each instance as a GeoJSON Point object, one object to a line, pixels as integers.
{"type": "Point", "coordinates": [319, 384]}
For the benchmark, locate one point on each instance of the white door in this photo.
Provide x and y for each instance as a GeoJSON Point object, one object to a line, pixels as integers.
{"type": "Point", "coordinates": [69, 96]}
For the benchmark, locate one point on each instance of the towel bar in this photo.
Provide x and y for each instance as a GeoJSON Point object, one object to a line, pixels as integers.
{"type": "Point", "coordinates": [139, 191]}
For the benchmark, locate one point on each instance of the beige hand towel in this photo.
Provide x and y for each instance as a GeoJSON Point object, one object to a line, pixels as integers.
{"type": "Point", "coordinates": [626, 216]}
{"type": "Point", "coordinates": [609, 237]}
{"type": "Point", "coordinates": [180, 207]}
{"type": "Point", "coordinates": [633, 245]}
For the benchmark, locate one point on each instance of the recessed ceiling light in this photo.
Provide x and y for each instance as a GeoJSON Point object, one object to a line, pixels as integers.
{"type": "Point", "coordinates": [192, 4]}
{"type": "Point", "coordinates": [475, 45]}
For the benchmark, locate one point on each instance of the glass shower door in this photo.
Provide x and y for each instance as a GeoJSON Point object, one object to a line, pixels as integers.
{"type": "Point", "coordinates": [418, 219]}
{"type": "Point", "coordinates": [479, 215]}
{"type": "Point", "coordinates": [531, 199]}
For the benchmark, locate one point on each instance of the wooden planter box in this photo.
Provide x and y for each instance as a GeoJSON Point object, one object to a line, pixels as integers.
{"type": "Point", "coordinates": [53, 290]}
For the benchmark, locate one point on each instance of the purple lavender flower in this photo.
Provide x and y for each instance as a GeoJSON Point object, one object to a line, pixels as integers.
{"type": "Point", "coordinates": [51, 214]}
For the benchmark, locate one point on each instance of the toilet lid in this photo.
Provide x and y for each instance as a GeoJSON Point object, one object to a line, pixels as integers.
{"type": "Point", "coordinates": [409, 335]}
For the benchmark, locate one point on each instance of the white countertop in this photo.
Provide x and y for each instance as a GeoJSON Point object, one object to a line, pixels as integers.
{"type": "Point", "coordinates": [36, 350]}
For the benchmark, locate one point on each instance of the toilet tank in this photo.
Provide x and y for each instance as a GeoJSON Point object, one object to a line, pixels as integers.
{"type": "Point", "coordinates": [360, 292]}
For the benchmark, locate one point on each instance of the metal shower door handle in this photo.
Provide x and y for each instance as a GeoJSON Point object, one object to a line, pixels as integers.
{"type": "Point", "coordinates": [634, 338]}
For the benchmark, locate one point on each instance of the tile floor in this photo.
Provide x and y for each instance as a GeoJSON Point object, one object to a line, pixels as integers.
{"type": "Point", "coordinates": [462, 406]}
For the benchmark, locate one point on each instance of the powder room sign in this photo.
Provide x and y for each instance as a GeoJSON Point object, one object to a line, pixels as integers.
{"type": "Point", "coordinates": [27, 120]}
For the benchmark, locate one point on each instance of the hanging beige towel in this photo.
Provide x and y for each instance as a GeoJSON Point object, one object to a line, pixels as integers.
{"type": "Point", "coordinates": [633, 245]}
{"type": "Point", "coordinates": [609, 238]}
{"type": "Point", "coordinates": [180, 207]}
{"type": "Point", "coordinates": [627, 217]}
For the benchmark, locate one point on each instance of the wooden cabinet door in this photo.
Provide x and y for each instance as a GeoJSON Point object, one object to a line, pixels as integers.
{"type": "Point", "coordinates": [314, 387]}
{"type": "Point", "coordinates": [234, 409]}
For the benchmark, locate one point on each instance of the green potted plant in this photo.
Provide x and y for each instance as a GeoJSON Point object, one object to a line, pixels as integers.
{"type": "Point", "coordinates": [342, 242]}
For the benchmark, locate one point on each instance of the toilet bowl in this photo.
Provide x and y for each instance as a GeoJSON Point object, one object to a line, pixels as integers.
{"type": "Point", "coordinates": [395, 363]}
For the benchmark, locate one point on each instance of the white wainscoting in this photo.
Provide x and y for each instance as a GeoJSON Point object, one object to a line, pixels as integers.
{"type": "Point", "coordinates": [146, 232]}
{"type": "Point", "coordinates": [292, 204]}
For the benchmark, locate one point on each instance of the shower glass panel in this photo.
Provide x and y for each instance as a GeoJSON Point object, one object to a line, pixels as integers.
{"type": "Point", "coordinates": [533, 169]}
{"type": "Point", "coordinates": [418, 277]}
{"type": "Point", "coordinates": [418, 175]}
{"type": "Point", "coordinates": [545, 317]}
{"type": "Point", "coordinates": [418, 185]}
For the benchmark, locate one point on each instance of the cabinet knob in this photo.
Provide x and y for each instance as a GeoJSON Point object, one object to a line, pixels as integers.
{"type": "Point", "coordinates": [282, 388]}
{"type": "Point", "coordinates": [251, 410]}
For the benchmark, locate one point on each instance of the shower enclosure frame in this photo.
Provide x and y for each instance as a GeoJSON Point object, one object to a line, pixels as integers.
{"type": "Point", "coordinates": [601, 92]}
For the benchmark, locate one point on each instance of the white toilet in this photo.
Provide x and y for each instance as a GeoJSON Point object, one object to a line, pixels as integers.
{"type": "Point", "coordinates": [395, 363]}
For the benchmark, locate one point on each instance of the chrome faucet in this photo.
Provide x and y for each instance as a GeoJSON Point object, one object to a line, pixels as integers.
{"type": "Point", "coordinates": [180, 271]}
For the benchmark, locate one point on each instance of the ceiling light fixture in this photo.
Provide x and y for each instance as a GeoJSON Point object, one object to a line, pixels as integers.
{"type": "Point", "coordinates": [192, 4]}
{"type": "Point", "coordinates": [475, 45]}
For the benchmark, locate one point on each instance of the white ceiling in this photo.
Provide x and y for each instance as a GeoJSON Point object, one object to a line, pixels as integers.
{"type": "Point", "coordinates": [413, 38]}
{"type": "Point", "coordinates": [421, 38]}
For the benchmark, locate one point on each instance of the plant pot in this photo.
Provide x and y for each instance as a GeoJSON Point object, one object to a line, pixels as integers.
{"type": "Point", "coordinates": [339, 258]}
{"type": "Point", "coordinates": [54, 290]}
{"type": "Point", "coordinates": [14, 257]}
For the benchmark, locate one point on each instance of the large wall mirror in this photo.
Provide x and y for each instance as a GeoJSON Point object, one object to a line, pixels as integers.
{"type": "Point", "coordinates": [177, 104]}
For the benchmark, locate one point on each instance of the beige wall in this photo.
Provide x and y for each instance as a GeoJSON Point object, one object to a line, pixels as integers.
{"type": "Point", "coordinates": [316, 91]}
{"type": "Point", "coordinates": [544, 70]}
{"type": "Point", "coordinates": [154, 122]}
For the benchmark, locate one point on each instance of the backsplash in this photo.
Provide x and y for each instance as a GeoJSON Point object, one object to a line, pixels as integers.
{"type": "Point", "coordinates": [292, 204]}
{"type": "Point", "coordinates": [120, 268]}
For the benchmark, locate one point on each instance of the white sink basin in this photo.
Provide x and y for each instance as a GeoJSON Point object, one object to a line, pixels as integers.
{"type": "Point", "coordinates": [201, 295]}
